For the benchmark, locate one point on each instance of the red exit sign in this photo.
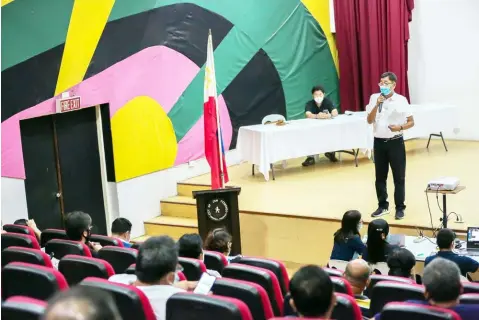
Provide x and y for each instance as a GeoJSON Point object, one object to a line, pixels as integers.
{"type": "Point", "coordinates": [68, 104]}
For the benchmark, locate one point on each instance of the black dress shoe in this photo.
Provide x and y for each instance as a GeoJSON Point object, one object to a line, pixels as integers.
{"type": "Point", "coordinates": [331, 156]}
{"type": "Point", "coordinates": [399, 214]}
{"type": "Point", "coordinates": [308, 162]}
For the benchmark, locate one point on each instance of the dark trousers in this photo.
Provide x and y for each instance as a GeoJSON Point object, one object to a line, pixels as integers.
{"type": "Point", "coordinates": [390, 153]}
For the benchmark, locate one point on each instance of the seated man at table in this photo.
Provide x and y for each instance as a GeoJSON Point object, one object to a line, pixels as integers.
{"type": "Point", "coordinates": [445, 242]}
{"type": "Point", "coordinates": [319, 107]}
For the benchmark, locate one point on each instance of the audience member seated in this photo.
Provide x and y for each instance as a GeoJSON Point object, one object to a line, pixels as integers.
{"type": "Point", "coordinates": [83, 303]}
{"type": "Point", "coordinates": [401, 263]}
{"type": "Point", "coordinates": [155, 273]}
{"type": "Point", "coordinates": [121, 229]}
{"type": "Point", "coordinates": [29, 223]}
{"type": "Point", "coordinates": [445, 241]}
{"type": "Point", "coordinates": [347, 240]}
{"type": "Point", "coordinates": [78, 226]}
{"type": "Point", "coordinates": [21, 226]}
{"type": "Point", "coordinates": [377, 248]}
{"type": "Point", "coordinates": [220, 240]}
{"type": "Point", "coordinates": [442, 282]}
{"type": "Point", "coordinates": [312, 294]}
{"type": "Point", "coordinates": [357, 273]}
{"type": "Point", "coordinates": [191, 246]}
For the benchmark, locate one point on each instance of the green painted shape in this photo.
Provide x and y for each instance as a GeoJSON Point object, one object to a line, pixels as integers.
{"type": "Point", "coordinates": [310, 64]}
{"type": "Point", "coordinates": [230, 59]}
{"type": "Point", "coordinates": [30, 27]}
{"type": "Point", "coordinates": [249, 34]}
{"type": "Point", "coordinates": [125, 8]}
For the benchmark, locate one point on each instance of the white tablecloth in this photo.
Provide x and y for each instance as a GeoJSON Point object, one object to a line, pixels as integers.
{"type": "Point", "coordinates": [426, 248]}
{"type": "Point", "coordinates": [266, 144]}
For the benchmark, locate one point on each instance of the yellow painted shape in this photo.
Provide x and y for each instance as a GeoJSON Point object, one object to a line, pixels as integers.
{"type": "Point", "coordinates": [319, 9]}
{"type": "Point", "coordinates": [87, 22]}
{"type": "Point", "coordinates": [4, 2]}
{"type": "Point", "coordinates": [143, 139]}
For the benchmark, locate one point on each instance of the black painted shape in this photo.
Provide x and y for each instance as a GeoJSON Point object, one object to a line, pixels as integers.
{"type": "Point", "coordinates": [182, 27]}
{"type": "Point", "coordinates": [30, 82]}
{"type": "Point", "coordinates": [256, 92]}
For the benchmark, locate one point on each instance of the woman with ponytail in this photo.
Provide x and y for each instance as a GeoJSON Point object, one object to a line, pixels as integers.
{"type": "Point", "coordinates": [377, 248]}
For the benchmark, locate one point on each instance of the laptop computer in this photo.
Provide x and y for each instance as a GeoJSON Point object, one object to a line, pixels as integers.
{"type": "Point", "coordinates": [472, 241]}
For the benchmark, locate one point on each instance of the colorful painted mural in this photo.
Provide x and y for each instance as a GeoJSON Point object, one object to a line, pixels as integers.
{"type": "Point", "coordinates": [146, 60]}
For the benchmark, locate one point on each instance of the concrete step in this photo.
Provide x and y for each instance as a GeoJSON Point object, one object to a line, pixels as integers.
{"type": "Point", "coordinates": [174, 227]}
{"type": "Point", "coordinates": [186, 189]}
{"type": "Point", "coordinates": [179, 206]}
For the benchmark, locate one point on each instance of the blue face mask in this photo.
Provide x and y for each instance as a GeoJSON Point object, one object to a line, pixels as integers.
{"type": "Point", "coordinates": [385, 90]}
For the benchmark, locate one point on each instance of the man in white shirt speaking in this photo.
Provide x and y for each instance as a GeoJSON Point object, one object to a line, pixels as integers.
{"type": "Point", "coordinates": [390, 114]}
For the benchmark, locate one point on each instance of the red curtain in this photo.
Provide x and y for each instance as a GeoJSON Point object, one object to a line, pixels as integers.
{"type": "Point", "coordinates": [371, 37]}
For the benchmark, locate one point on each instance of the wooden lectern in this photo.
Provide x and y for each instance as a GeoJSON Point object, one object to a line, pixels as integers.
{"type": "Point", "coordinates": [219, 208]}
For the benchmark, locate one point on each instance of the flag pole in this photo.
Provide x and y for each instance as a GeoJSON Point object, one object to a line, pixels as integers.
{"type": "Point", "coordinates": [220, 140]}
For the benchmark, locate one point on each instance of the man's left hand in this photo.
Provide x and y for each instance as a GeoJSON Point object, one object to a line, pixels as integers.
{"type": "Point", "coordinates": [394, 128]}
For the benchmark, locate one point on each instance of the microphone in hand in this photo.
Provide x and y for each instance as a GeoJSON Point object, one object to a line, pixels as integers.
{"type": "Point", "coordinates": [380, 101]}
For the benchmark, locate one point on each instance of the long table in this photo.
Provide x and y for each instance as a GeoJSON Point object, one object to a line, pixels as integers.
{"type": "Point", "coordinates": [263, 145]}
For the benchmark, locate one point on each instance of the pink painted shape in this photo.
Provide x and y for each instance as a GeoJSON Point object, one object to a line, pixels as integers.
{"type": "Point", "coordinates": [196, 137]}
{"type": "Point", "coordinates": [158, 72]}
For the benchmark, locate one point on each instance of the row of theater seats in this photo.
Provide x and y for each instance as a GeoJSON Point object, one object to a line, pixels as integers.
{"type": "Point", "coordinates": [232, 299]}
{"type": "Point", "coordinates": [260, 283]}
{"type": "Point", "coordinates": [50, 234]}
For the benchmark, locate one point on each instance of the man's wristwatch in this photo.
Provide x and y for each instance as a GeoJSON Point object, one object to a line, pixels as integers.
{"type": "Point", "coordinates": [402, 128]}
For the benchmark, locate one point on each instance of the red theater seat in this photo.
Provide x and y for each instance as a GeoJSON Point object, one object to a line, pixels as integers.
{"type": "Point", "coordinates": [23, 308]}
{"type": "Point", "coordinates": [333, 272]}
{"type": "Point", "coordinates": [50, 234]}
{"type": "Point", "coordinates": [106, 241]}
{"type": "Point", "coordinates": [192, 268]}
{"type": "Point", "coordinates": [59, 248]}
{"type": "Point", "coordinates": [131, 301]}
{"type": "Point", "coordinates": [411, 311]}
{"type": "Point", "coordinates": [76, 268]}
{"type": "Point", "coordinates": [28, 255]}
{"type": "Point", "coordinates": [470, 287]}
{"type": "Point", "coordinates": [215, 260]}
{"type": "Point", "coordinates": [255, 297]}
{"type": "Point", "coordinates": [375, 278]}
{"type": "Point", "coordinates": [277, 267]}
{"type": "Point", "coordinates": [342, 285]}
{"type": "Point", "coordinates": [346, 308]}
{"type": "Point", "coordinates": [187, 306]}
{"type": "Point", "coordinates": [19, 240]}
{"type": "Point", "coordinates": [264, 277]}
{"type": "Point", "coordinates": [388, 291]}
{"type": "Point", "coordinates": [24, 279]}
{"type": "Point", "coordinates": [14, 228]}
{"type": "Point", "coordinates": [469, 298]}
{"type": "Point", "coordinates": [119, 258]}
{"type": "Point", "coordinates": [131, 269]}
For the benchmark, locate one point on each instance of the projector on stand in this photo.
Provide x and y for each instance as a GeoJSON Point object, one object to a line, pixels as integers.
{"type": "Point", "coordinates": [443, 184]}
